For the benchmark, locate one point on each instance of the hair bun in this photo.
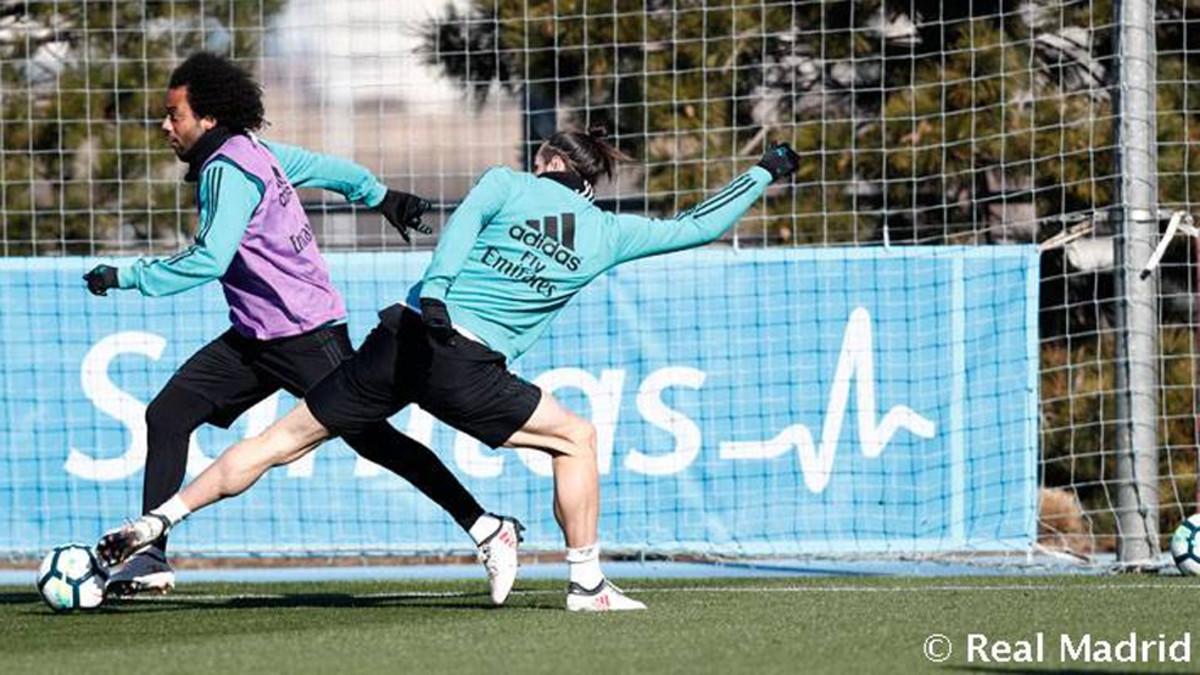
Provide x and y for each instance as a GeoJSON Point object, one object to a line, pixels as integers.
{"type": "Point", "coordinates": [598, 131]}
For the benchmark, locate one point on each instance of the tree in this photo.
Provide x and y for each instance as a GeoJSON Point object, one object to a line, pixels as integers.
{"type": "Point", "coordinates": [944, 121]}
{"type": "Point", "coordinates": [82, 163]}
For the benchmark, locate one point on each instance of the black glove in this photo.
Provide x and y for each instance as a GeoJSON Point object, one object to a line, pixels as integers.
{"type": "Point", "coordinates": [404, 212]}
{"type": "Point", "coordinates": [101, 278]}
{"type": "Point", "coordinates": [437, 321]}
{"type": "Point", "coordinates": [780, 160]}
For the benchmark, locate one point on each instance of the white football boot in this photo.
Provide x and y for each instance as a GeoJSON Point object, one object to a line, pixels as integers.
{"type": "Point", "coordinates": [145, 572]}
{"type": "Point", "coordinates": [498, 553]}
{"type": "Point", "coordinates": [605, 597]}
{"type": "Point", "coordinates": [119, 544]}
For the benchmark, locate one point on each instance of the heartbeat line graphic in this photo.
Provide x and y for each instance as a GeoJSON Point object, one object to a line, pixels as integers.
{"type": "Point", "coordinates": [856, 365]}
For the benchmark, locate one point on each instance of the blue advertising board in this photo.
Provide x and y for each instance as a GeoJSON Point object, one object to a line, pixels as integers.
{"type": "Point", "coordinates": [767, 402]}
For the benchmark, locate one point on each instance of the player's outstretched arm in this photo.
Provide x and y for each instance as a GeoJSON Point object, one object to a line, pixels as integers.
{"type": "Point", "coordinates": [307, 169]}
{"type": "Point", "coordinates": [639, 237]}
{"type": "Point", "coordinates": [238, 467]}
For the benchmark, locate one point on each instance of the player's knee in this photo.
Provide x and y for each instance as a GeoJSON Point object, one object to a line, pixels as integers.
{"type": "Point", "coordinates": [161, 417]}
{"type": "Point", "coordinates": [174, 412]}
{"type": "Point", "coordinates": [381, 442]}
{"type": "Point", "coordinates": [582, 437]}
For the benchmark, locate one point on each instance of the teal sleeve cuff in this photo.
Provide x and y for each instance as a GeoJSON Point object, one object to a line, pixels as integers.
{"type": "Point", "coordinates": [126, 278]}
{"type": "Point", "coordinates": [434, 290]}
{"type": "Point", "coordinates": [375, 195]}
{"type": "Point", "coordinates": [761, 173]}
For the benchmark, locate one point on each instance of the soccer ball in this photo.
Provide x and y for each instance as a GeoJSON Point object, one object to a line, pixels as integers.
{"type": "Point", "coordinates": [1185, 547]}
{"type": "Point", "coordinates": [70, 578]}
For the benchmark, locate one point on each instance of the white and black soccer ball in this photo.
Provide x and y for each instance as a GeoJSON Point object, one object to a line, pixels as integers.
{"type": "Point", "coordinates": [1185, 546]}
{"type": "Point", "coordinates": [71, 578]}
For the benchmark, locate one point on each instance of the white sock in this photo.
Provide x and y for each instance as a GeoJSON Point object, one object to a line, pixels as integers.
{"type": "Point", "coordinates": [484, 527]}
{"type": "Point", "coordinates": [174, 510]}
{"type": "Point", "coordinates": [584, 566]}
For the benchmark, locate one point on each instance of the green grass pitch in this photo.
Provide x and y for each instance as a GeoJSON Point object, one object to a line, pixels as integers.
{"type": "Point", "coordinates": [711, 626]}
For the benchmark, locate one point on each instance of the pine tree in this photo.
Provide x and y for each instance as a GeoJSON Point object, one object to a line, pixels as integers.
{"type": "Point", "coordinates": [979, 122]}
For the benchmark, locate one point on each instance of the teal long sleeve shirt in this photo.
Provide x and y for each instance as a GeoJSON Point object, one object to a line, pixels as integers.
{"type": "Point", "coordinates": [519, 247]}
{"type": "Point", "coordinates": [227, 197]}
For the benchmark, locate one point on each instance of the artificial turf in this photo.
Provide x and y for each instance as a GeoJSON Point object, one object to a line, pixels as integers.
{"type": "Point", "coordinates": [807, 624]}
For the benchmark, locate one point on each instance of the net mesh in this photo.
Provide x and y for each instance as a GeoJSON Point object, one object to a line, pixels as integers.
{"type": "Point", "coordinates": [940, 142]}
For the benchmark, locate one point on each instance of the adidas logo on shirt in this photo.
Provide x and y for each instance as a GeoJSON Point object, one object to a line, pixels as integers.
{"type": "Point", "coordinates": [553, 236]}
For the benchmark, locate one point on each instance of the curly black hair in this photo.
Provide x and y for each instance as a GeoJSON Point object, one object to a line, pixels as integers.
{"type": "Point", "coordinates": [218, 88]}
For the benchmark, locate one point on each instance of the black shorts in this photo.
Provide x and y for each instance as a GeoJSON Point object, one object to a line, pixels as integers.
{"type": "Point", "coordinates": [465, 384]}
{"type": "Point", "coordinates": [234, 372]}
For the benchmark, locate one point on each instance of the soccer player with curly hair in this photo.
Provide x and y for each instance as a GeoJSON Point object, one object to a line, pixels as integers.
{"type": "Point", "coordinates": [515, 252]}
{"type": "Point", "coordinates": [289, 322]}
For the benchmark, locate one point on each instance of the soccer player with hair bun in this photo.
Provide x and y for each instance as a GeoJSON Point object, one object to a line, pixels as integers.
{"type": "Point", "coordinates": [514, 253]}
{"type": "Point", "coordinates": [289, 322]}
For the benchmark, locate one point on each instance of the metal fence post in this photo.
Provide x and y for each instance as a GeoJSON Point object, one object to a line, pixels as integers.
{"type": "Point", "coordinates": [1137, 309]}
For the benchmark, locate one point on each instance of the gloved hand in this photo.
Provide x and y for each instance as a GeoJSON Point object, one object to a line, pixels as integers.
{"type": "Point", "coordinates": [780, 160]}
{"type": "Point", "coordinates": [101, 278]}
{"type": "Point", "coordinates": [437, 321]}
{"type": "Point", "coordinates": [403, 211]}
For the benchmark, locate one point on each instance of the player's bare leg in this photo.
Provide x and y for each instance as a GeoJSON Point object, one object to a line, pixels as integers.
{"type": "Point", "coordinates": [240, 466]}
{"type": "Point", "coordinates": [291, 437]}
{"type": "Point", "coordinates": [571, 442]}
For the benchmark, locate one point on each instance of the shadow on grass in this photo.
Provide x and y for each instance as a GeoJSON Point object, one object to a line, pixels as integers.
{"type": "Point", "coordinates": [18, 598]}
{"type": "Point", "coordinates": [183, 602]}
{"type": "Point", "coordinates": [472, 602]}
